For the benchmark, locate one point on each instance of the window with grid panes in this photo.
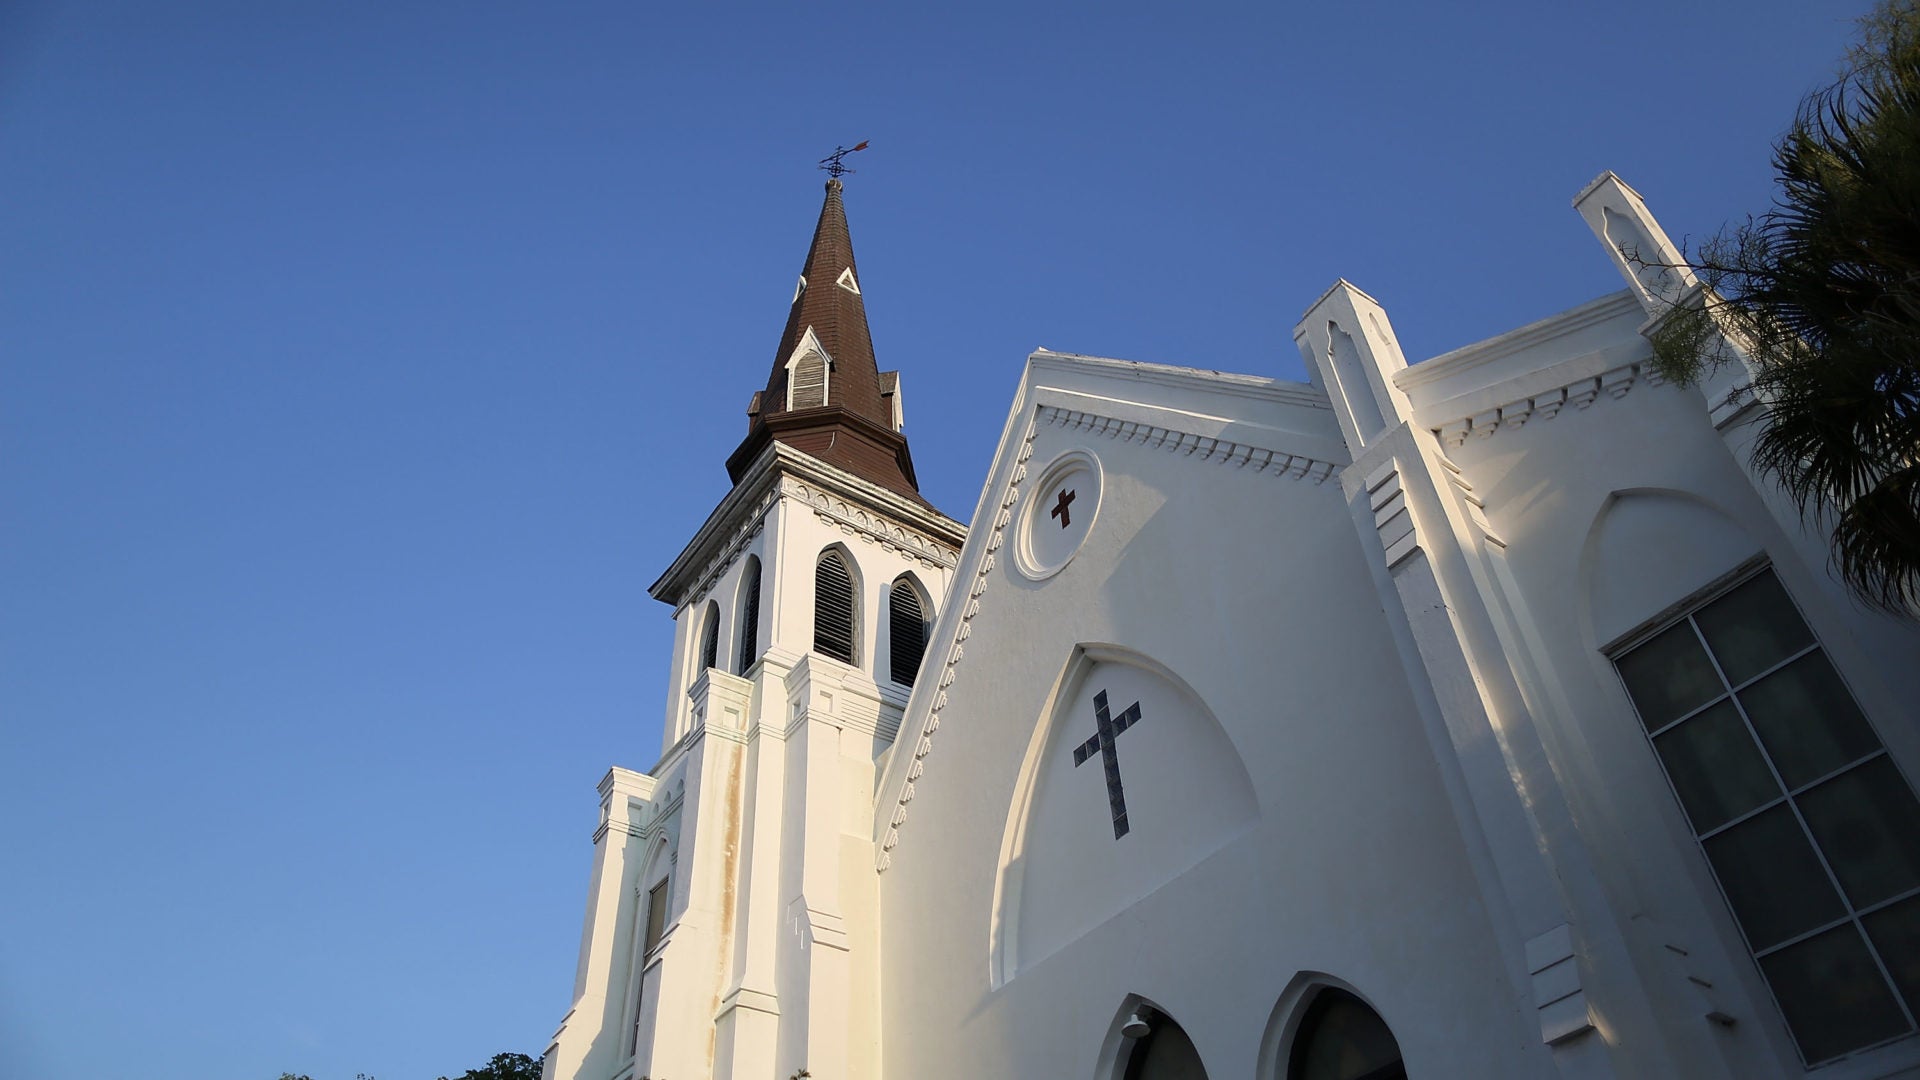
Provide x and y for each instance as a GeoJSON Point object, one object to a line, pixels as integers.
{"type": "Point", "coordinates": [1810, 828]}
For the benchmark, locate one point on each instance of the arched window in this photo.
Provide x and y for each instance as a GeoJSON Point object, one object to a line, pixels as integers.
{"type": "Point", "coordinates": [807, 382]}
{"type": "Point", "coordinates": [749, 614]}
{"type": "Point", "coordinates": [709, 638]}
{"type": "Point", "coordinates": [833, 608]}
{"type": "Point", "coordinates": [1163, 1053]}
{"type": "Point", "coordinates": [907, 630]}
{"type": "Point", "coordinates": [1340, 1038]}
{"type": "Point", "coordinates": [654, 911]}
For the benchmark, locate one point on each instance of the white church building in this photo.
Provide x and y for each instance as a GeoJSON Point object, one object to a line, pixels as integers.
{"type": "Point", "coordinates": [1484, 717]}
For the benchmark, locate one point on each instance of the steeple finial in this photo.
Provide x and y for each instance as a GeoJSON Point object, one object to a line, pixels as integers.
{"type": "Point", "coordinates": [835, 165]}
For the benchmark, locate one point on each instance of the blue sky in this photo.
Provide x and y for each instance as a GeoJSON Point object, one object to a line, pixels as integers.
{"type": "Point", "coordinates": [362, 364]}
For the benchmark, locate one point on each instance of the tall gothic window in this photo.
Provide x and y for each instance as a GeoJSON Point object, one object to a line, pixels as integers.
{"type": "Point", "coordinates": [906, 630]}
{"type": "Point", "coordinates": [749, 614]}
{"type": "Point", "coordinates": [1340, 1038]}
{"type": "Point", "coordinates": [833, 608]}
{"type": "Point", "coordinates": [807, 382]}
{"type": "Point", "coordinates": [1811, 830]}
{"type": "Point", "coordinates": [709, 637]}
{"type": "Point", "coordinates": [656, 926]}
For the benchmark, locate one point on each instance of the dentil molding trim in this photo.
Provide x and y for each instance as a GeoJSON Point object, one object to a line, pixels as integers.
{"type": "Point", "coordinates": [956, 647]}
{"type": "Point", "coordinates": [1580, 393]}
{"type": "Point", "coordinates": [1200, 447]}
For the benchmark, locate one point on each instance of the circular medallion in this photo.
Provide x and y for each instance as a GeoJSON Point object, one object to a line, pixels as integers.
{"type": "Point", "coordinates": [1058, 514]}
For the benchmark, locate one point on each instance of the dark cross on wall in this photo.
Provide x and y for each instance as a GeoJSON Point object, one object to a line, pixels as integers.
{"type": "Point", "coordinates": [1107, 729]}
{"type": "Point", "coordinates": [1060, 509]}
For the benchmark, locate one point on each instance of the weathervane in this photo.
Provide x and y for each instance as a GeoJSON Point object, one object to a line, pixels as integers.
{"type": "Point", "coordinates": [832, 163]}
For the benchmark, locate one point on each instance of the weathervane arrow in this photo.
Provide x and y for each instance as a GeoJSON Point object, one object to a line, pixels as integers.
{"type": "Point", "coordinates": [833, 162]}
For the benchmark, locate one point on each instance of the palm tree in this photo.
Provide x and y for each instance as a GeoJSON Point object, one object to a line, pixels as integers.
{"type": "Point", "coordinates": [1822, 296]}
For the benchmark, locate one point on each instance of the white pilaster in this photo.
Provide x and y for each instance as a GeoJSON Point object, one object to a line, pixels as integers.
{"type": "Point", "coordinates": [591, 1039]}
{"type": "Point", "coordinates": [694, 954]}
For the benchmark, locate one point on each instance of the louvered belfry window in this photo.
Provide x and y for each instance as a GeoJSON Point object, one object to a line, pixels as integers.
{"type": "Point", "coordinates": [710, 637]}
{"type": "Point", "coordinates": [833, 608]}
{"type": "Point", "coordinates": [749, 614]}
{"type": "Point", "coordinates": [907, 627]}
{"type": "Point", "coordinates": [809, 383]}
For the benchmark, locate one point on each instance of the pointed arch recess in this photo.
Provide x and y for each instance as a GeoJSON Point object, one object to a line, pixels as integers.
{"type": "Point", "coordinates": [709, 638]}
{"type": "Point", "coordinates": [1291, 1011]}
{"type": "Point", "coordinates": [1650, 548]}
{"type": "Point", "coordinates": [748, 605]}
{"type": "Point", "coordinates": [1233, 789]}
{"type": "Point", "coordinates": [1116, 1049]}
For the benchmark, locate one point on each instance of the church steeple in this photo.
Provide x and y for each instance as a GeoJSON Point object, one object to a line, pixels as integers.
{"type": "Point", "coordinates": [826, 395]}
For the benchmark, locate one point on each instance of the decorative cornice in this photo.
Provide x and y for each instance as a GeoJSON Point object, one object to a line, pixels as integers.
{"type": "Point", "coordinates": [1614, 382]}
{"type": "Point", "coordinates": [643, 817]}
{"type": "Point", "coordinates": [1207, 380]}
{"type": "Point", "coordinates": [1201, 447]}
{"type": "Point", "coordinates": [740, 515]}
{"type": "Point", "coordinates": [857, 704]}
{"type": "Point", "coordinates": [852, 520]}
{"type": "Point", "coordinates": [955, 646]}
{"type": "Point", "coordinates": [726, 556]}
{"type": "Point", "coordinates": [1475, 506]}
{"type": "Point", "coordinates": [1500, 346]}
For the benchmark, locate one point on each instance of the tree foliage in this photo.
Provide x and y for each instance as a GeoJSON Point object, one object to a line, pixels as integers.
{"type": "Point", "coordinates": [504, 1067]}
{"type": "Point", "coordinates": [1822, 296]}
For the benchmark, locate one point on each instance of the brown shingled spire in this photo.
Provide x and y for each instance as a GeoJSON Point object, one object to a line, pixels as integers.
{"type": "Point", "coordinates": [848, 421]}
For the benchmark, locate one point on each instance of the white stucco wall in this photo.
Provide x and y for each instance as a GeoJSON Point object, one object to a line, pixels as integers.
{"type": "Point", "coordinates": [1380, 743]}
{"type": "Point", "coordinates": [1246, 582]}
{"type": "Point", "coordinates": [1612, 509]}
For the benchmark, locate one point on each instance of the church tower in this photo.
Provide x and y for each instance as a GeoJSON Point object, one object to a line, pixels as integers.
{"type": "Point", "coordinates": [732, 914]}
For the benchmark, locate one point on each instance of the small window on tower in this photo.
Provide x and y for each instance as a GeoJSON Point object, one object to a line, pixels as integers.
{"type": "Point", "coordinates": [807, 382]}
{"type": "Point", "coordinates": [749, 614]}
{"type": "Point", "coordinates": [656, 919]}
{"type": "Point", "coordinates": [833, 608]}
{"type": "Point", "coordinates": [656, 925]}
{"type": "Point", "coordinates": [710, 638]}
{"type": "Point", "coordinates": [907, 627]}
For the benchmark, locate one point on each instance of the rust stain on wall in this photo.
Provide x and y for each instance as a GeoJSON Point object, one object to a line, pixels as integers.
{"type": "Point", "coordinates": [729, 887]}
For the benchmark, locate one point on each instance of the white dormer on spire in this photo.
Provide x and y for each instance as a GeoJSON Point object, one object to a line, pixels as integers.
{"type": "Point", "coordinates": [846, 281]}
{"type": "Point", "coordinates": [890, 391]}
{"type": "Point", "coordinates": [799, 290]}
{"type": "Point", "coordinates": [807, 371]}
